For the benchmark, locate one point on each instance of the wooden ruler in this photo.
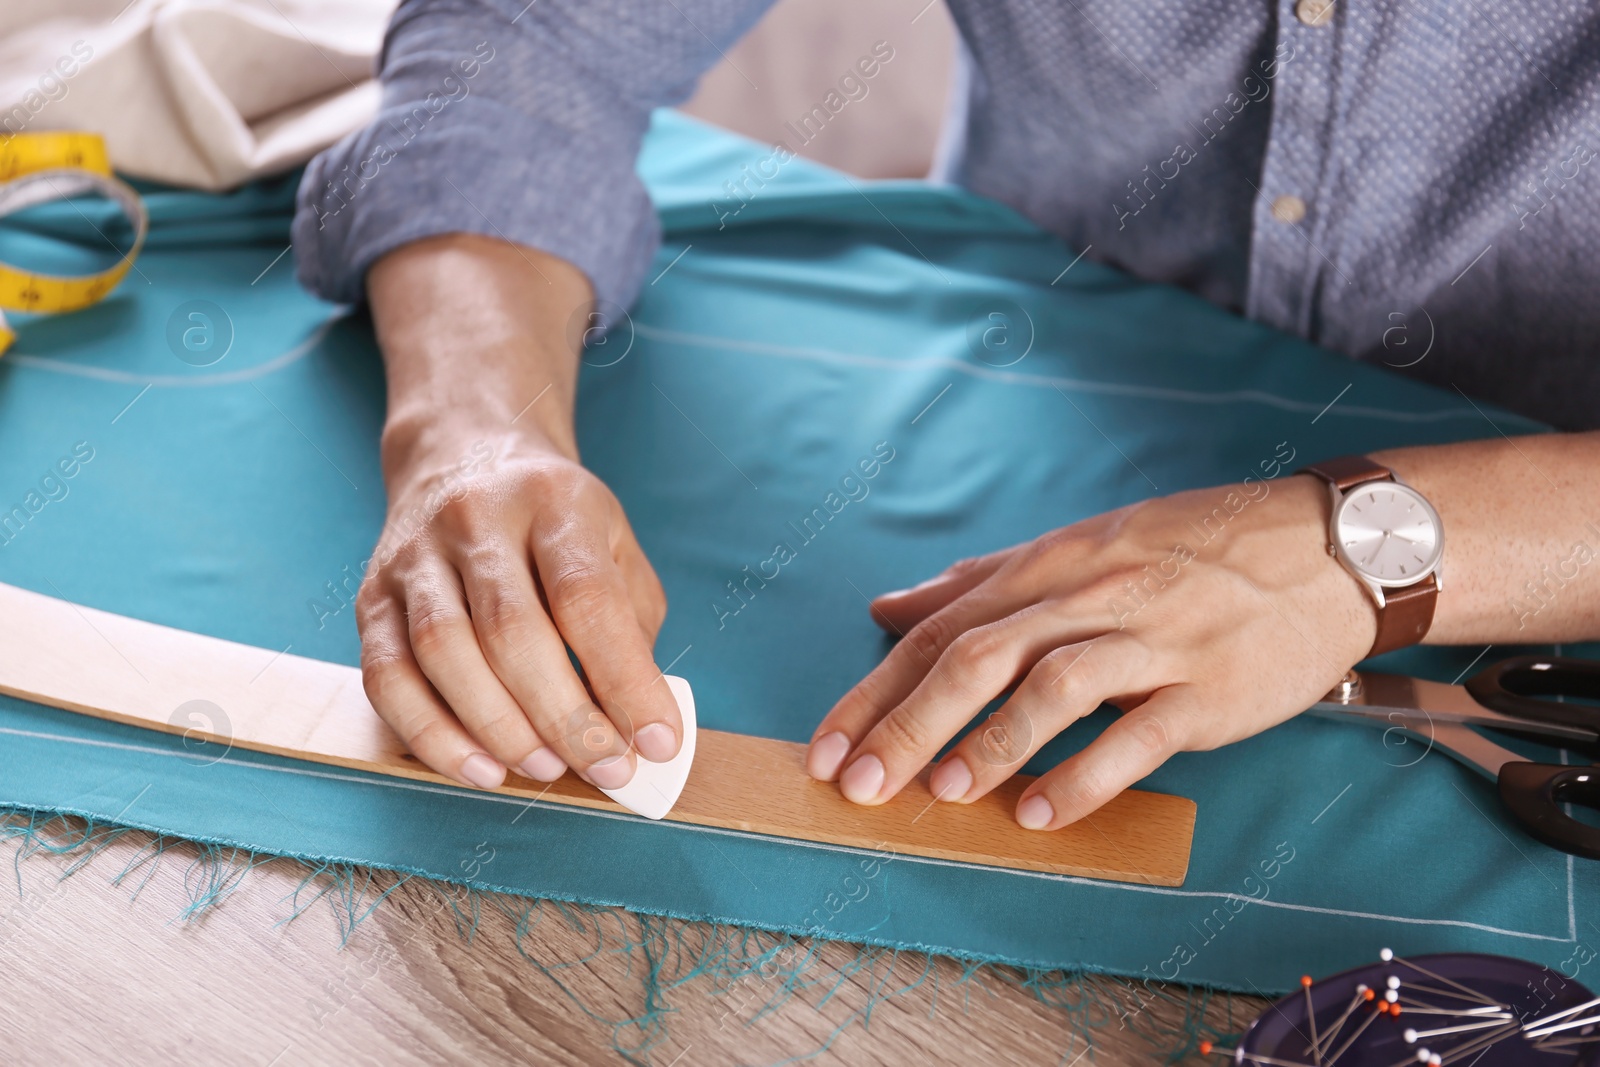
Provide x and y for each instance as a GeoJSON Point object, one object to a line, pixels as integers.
{"type": "Point", "coordinates": [113, 667]}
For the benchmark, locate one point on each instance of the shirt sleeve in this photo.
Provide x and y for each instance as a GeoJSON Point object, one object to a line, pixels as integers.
{"type": "Point", "coordinates": [511, 119]}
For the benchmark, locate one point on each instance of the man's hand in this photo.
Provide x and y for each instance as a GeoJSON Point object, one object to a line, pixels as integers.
{"type": "Point", "coordinates": [1199, 642]}
{"type": "Point", "coordinates": [500, 550]}
{"type": "Point", "coordinates": [1206, 617]}
{"type": "Point", "coordinates": [481, 581]}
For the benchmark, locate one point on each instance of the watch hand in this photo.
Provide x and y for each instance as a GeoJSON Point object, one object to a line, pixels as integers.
{"type": "Point", "coordinates": [1381, 542]}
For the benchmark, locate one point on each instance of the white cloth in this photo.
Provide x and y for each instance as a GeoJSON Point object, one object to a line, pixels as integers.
{"type": "Point", "coordinates": [200, 93]}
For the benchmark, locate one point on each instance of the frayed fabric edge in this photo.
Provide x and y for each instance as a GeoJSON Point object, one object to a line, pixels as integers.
{"type": "Point", "coordinates": [672, 950]}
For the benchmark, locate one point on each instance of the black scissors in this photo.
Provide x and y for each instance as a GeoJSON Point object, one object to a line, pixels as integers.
{"type": "Point", "coordinates": [1522, 695]}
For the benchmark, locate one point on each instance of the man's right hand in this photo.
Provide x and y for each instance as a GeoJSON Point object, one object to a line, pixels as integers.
{"type": "Point", "coordinates": [501, 551]}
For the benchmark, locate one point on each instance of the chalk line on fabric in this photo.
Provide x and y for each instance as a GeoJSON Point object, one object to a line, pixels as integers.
{"type": "Point", "coordinates": [1146, 392]}
{"type": "Point", "coordinates": [184, 381]}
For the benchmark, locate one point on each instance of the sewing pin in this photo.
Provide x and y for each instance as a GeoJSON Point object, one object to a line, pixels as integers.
{"type": "Point", "coordinates": [1413, 1036]}
{"type": "Point", "coordinates": [1420, 1056]}
{"type": "Point", "coordinates": [1383, 1009]}
{"type": "Point", "coordinates": [1423, 1008]}
{"type": "Point", "coordinates": [1539, 1030]}
{"type": "Point", "coordinates": [1552, 1044]}
{"type": "Point", "coordinates": [1387, 956]}
{"type": "Point", "coordinates": [1562, 1014]}
{"type": "Point", "coordinates": [1315, 1048]}
{"type": "Point", "coordinates": [1207, 1048]}
{"type": "Point", "coordinates": [1363, 992]}
{"type": "Point", "coordinates": [1272, 1061]}
{"type": "Point", "coordinates": [1476, 1046]}
{"type": "Point", "coordinates": [1415, 987]}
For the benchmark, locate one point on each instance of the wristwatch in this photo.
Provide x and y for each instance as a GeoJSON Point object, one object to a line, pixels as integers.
{"type": "Point", "coordinates": [1388, 536]}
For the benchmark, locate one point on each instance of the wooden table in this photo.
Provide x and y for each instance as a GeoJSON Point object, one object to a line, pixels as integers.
{"type": "Point", "coordinates": [92, 972]}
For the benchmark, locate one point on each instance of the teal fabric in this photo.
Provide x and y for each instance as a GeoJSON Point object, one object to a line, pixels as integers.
{"type": "Point", "coordinates": [763, 362]}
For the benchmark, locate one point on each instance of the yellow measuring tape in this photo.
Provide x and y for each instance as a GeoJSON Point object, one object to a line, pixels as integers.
{"type": "Point", "coordinates": [39, 167]}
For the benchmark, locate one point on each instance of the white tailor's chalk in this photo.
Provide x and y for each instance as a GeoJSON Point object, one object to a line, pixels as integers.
{"type": "Point", "coordinates": [655, 787]}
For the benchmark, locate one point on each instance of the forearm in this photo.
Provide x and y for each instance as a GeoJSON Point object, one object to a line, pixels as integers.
{"type": "Point", "coordinates": [1521, 522]}
{"type": "Point", "coordinates": [475, 338]}
{"type": "Point", "coordinates": [481, 586]}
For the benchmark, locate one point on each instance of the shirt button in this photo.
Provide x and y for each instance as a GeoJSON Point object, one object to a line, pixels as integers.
{"type": "Point", "coordinates": [1290, 209]}
{"type": "Point", "coordinates": [1314, 12]}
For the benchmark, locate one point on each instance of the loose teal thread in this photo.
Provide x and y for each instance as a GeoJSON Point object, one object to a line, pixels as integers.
{"type": "Point", "coordinates": [671, 953]}
{"type": "Point", "coordinates": [213, 876]}
{"type": "Point", "coordinates": [148, 858]}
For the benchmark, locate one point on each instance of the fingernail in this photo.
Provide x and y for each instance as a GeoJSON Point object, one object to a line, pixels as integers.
{"type": "Point", "coordinates": [827, 752]}
{"type": "Point", "coordinates": [951, 780]}
{"type": "Point", "coordinates": [482, 771]}
{"type": "Point", "coordinates": [1035, 813]}
{"type": "Point", "coordinates": [613, 772]}
{"type": "Point", "coordinates": [544, 765]}
{"type": "Point", "coordinates": [925, 583]}
{"type": "Point", "coordinates": [862, 780]}
{"type": "Point", "coordinates": [657, 742]}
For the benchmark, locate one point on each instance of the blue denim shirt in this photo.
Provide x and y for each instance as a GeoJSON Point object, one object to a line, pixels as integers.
{"type": "Point", "coordinates": [1406, 181]}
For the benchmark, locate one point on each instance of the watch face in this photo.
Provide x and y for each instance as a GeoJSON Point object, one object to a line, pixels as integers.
{"type": "Point", "coordinates": [1388, 533]}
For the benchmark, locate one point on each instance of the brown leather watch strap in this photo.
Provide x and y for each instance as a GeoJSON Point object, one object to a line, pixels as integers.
{"type": "Point", "coordinates": [1347, 472]}
{"type": "Point", "coordinates": [1407, 613]}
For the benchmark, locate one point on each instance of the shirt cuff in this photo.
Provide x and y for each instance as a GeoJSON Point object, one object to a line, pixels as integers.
{"type": "Point", "coordinates": [478, 167]}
